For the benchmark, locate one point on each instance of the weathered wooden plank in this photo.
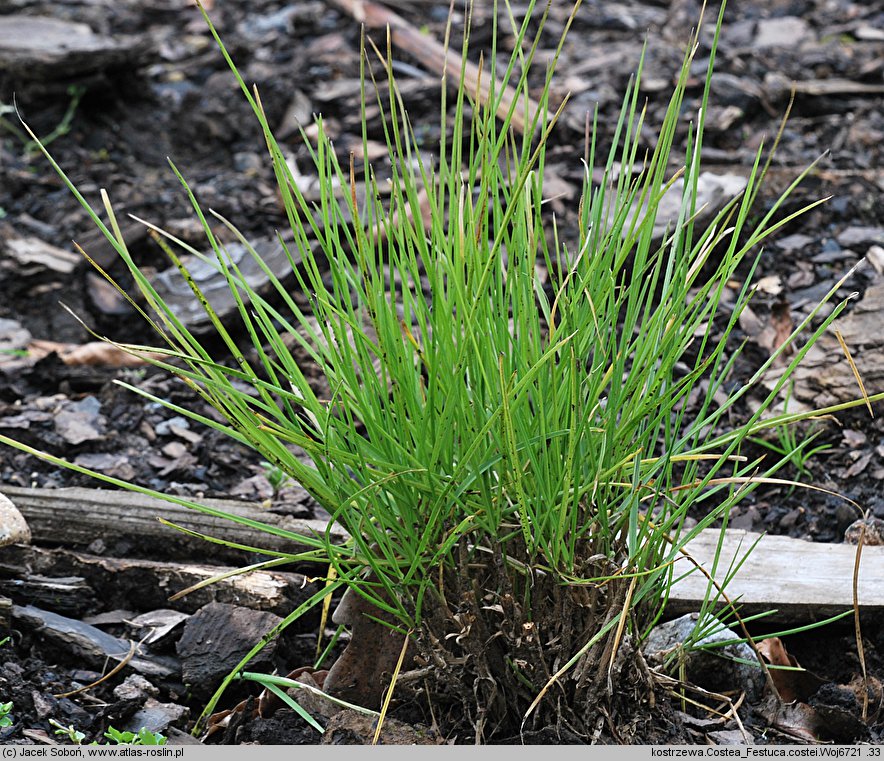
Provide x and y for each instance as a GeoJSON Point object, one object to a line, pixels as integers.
{"type": "Point", "coordinates": [801, 580]}
{"type": "Point", "coordinates": [78, 517]}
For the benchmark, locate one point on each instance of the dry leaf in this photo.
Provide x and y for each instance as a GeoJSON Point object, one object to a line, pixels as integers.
{"type": "Point", "coordinates": [769, 332]}
{"type": "Point", "coordinates": [798, 720]}
{"type": "Point", "coordinates": [791, 685]}
{"type": "Point", "coordinates": [91, 354]}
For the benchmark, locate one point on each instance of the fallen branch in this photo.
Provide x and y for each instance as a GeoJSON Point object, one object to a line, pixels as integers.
{"type": "Point", "coordinates": [78, 517]}
{"type": "Point", "coordinates": [433, 54]}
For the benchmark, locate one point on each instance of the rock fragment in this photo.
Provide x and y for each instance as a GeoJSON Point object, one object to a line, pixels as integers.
{"type": "Point", "coordinates": [717, 669]}
{"type": "Point", "coordinates": [13, 526]}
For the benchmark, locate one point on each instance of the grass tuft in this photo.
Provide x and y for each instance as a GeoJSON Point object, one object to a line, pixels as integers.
{"type": "Point", "coordinates": [513, 459]}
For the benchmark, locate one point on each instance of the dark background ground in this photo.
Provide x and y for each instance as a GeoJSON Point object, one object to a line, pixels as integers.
{"type": "Point", "coordinates": [166, 92]}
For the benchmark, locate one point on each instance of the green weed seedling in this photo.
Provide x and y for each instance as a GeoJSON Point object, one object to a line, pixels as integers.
{"type": "Point", "coordinates": [5, 708]}
{"type": "Point", "coordinates": [117, 737]}
{"type": "Point", "coordinates": [277, 477]}
{"type": "Point", "coordinates": [69, 731]}
{"type": "Point", "coordinates": [141, 737]}
{"type": "Point", "coordinates": [793, 443]}
{"type": "Point", "coordinates": [796, 447]}
{"type": "Point", "coordinates": [32, 144]}
{"type": "Point", "coordinates": [6, 714]}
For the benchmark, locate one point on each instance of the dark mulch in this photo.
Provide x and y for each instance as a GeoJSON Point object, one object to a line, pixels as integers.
{"type": "Point", "coordinates": [164, 91]}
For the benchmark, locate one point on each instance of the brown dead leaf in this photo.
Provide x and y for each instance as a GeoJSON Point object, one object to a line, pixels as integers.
{"type": "Point", "coordinates": [373, 150]}
{"type": "Point", "coordinates": [556, 189]}
{"type": "Point", "coordinates": [219, 721]}
{"type": "Point", "coordinates": [268, 701]}
{"type": "Point", "coordinates": [781, 319]}
{"type": "Point", "coordinates": [797, 720]}
{"type": "Point", "coordinates": [769, 331]}
{"type": "Point", "coordinates": [791, 685]}
{"type": "Point", "coordinates": [91, 354]}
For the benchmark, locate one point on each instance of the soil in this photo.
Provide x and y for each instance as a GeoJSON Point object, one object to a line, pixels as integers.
{"type": "Point", "coordinates": [160, 88]}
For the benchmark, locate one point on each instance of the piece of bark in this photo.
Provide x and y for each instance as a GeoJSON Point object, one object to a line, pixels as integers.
{"type": "Point", "coordinates": [83, 642]}
{"type": "Point", "coordinates": [94, 243]}
{"type": "Point", "coordinates": [178, 295]}
{"type": "Point", "coordinates": [432, 54]}
{"type": "Point", "coordinates": [146, 585]}
{"type": "Point", "coordinates": [825, 377]}
{"type": "Point", "coordinates": [156, 717]}
{"type": "Point", "coordinates": [67, 595]}
{"type": "Point", "coordinates": [32, 256]}
{"type": "Point", "coordinates": [216, 639]}
{"type": "Point", "coordinates": [365, 669]}
{"type": "Point", "coordinates": [175, 736]}
{"type": "Point", "coordinates": [348, 727]}
{"type": "Point", "coordinates": [777, 87]}
{"type": "Point", "coordinates": [78, 517]}
{"type": "Point", "coordinates": [43, 48]}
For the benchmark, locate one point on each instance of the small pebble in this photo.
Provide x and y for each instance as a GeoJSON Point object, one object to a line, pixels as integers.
{"type": "Point", "coordinates": [874, 532]}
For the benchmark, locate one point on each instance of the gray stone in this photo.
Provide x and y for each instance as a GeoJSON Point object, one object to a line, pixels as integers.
{"type": "Point", "coordinates": [81, 421]}
{"type": "Point", "coordinates": [135, 687]}
{"type": "Point", "coordinates": [13, 526]}
{"type": "Point", "coordinates": [13, 338]}
{"type": "Point", "coordinates": [708, 662]}
{"type": "Point", "coordinates": [786, 32]}
{"type": "Point", "coordinates": [858, 236]}
{"type": "Point", "coordinates": [156, 716]}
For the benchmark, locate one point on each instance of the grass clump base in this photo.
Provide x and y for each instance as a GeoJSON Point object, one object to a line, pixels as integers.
{"type": "Point", "coordinates": [513, 459]}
